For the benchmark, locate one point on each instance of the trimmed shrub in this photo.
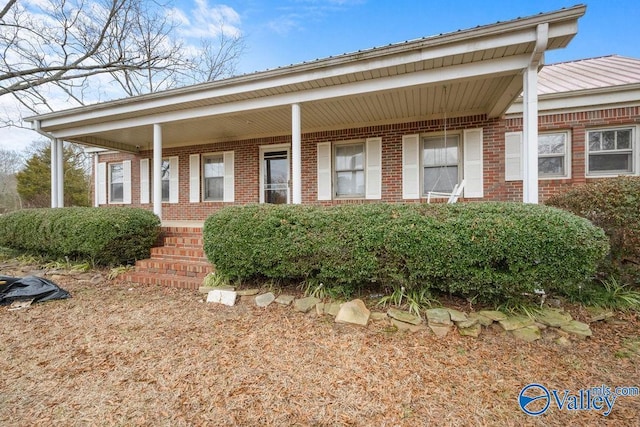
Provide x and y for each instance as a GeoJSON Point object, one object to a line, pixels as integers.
{"type": "Point", "coordinates": [614, 205]}
{"type": "Point", "coordinates": [104, 236]}
{"type": "Point", "coordinates": [492, 251]}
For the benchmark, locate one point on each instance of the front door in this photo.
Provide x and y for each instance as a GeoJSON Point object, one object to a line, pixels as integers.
{"type": "Point", "coordinates": [275, 176]}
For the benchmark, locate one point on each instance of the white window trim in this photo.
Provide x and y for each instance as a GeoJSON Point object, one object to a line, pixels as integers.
{"type": "Point", "coordinates": [424, 191]}
{"type": "Point", "coordinates": [109, 183]}
{"type": "Point", "coordinates": [334, 171]}
{"type": "Point", "coordinates": [174, 178]}
{"type": "Point", "coordinates": [126, 183]}
{"type": "Point", "coordinates": [635, 151]}
{"type": "Point", "coordinates": [202, 177]}
{"type": "Point", "coordinates": [267, 149]}
{"type": "Point", "coordinates": [567, 158]}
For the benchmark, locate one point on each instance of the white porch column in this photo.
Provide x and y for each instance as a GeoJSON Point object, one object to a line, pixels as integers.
{"type": "Point", "coordinates": [157, 170]}
{"type": "Point", "coordinates": [60, 172]}
{"type": "Point", "coordinates": [296, 153]}
{"type": "Point", "coordinates": [530, 116]}
{"type": "Point", "coordinates": [54, 173]}
{"type": "Point", "coordinates": [530, 135]}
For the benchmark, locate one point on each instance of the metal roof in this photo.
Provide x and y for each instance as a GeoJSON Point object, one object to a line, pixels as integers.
{"type": "Point", "coordinates": [585, 74]}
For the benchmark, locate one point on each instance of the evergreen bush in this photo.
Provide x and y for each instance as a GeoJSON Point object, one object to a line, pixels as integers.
{"type": "Point", "coordinates": [104, 236]}
{"type": "Point", "coordinates": [490, 251]}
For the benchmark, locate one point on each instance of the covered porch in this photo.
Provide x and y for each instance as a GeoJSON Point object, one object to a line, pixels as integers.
{"type": "Point", "coordinates": [474, 72]}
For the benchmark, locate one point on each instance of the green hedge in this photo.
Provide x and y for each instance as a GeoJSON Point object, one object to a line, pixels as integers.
{"type": "Point", "coordinates": [493, 251]}
{"type": "Point", "coordinates": [614, 205]}
{"type": "Point", "coordinates": [104, 236]}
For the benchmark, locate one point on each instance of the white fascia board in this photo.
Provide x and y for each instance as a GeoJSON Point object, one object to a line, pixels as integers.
{"type": "Point", "coordinates": [496, 67]}
{"type": "Point", "coordinates": [596, 99]}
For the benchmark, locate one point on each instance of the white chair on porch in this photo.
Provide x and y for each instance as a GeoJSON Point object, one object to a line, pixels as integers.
{"type": "Point", "coordinates": [451, 197]}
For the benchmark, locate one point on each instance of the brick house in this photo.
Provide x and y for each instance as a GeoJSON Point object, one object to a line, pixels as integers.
{"type": "Point", "coordinates": [385, 124]}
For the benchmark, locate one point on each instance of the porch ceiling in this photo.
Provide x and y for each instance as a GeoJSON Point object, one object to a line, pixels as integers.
{"type": "Point", "coordinates": [477, 71]}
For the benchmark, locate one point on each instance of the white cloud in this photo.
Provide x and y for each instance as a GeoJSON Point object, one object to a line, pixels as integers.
{"type": "Point", "coordinates": [294, 16]}
{"type": "Point", "coordinates": [206, 21]}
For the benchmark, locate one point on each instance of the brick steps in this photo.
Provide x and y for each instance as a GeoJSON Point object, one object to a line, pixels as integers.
{"type": "Point", "coordinates": [180, 263]}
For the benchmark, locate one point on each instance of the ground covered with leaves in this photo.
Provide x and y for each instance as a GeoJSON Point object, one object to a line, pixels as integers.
{"type": "Point", "coordinates": [118, 353]}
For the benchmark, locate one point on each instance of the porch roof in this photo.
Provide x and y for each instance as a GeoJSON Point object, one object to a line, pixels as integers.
{"type": "Point", "coordinates": [476, 71]}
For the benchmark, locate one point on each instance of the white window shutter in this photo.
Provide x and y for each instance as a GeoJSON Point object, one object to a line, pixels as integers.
{"type": "Point", "coordinates": [174, 172]}
{"type": "Point", "coordinates": [194, 178]}
{"type": "Point", "coordinates": [411, 166]}
{"type": "Point", "coordinates": [101, 183]}
{"type": "Point", "coordinates": [513, 166]}
{"type": "Point", "coordinates": [473, 166]}
{"type": "Point", "coordinates": [373, 158]}
{"type": "Point", "coordinates": [229, 179]}
{"type": "Point", "coordinates": [144, 181]}
{"type": "Point", "coordinates": [126, 182]}
{"type": "Point", "coordinates": [324, 171]}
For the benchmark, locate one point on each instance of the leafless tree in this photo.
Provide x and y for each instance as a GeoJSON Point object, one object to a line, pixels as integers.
{"type": "Point", "coordinates": [10, 162]}
{"type": "Point", "coordinates": [76, 48]}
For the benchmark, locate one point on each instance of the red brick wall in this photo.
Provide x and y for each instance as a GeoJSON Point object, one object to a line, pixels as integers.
{"type": "Point", "coordinates": [495, 188]}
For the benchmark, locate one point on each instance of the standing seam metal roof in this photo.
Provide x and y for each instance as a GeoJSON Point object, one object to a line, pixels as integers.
{"type": "Point", "coordinates": [585, 74]}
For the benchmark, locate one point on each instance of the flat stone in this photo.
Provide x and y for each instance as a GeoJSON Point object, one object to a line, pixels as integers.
{"type": "Point", "coordinates": [222, 296]}
{"type": "Point", "coordinates": [303, 305]}
{"type": "Point", "coordinates": [332, 308]}
{"type": "Point", "coordinates": [285, 299]}
{"type": "Point", "coordinates": [409, 327]}
{"type": "Point", "coordinates": [438, 316]}
{"type": "Point", "coordinates": [598, 313]}
{"type": "Point", "coordinates": [376, 315]}
{"type": "Point", "coordinates": [494, 315]}
{"type": "Point", "coordinates": [516, 322]}
{"type": "Point", "coordinates": [553, 317]}
{"type": "Point", "coordinates": [353, 312]}
{"type": "Point", "coordinates": [483, 320]}
{"type": "Point", "coordinates": [471, 321]}
{"type": "Point", "coordinates": [249, 292]}
{"type": "Point", "coordinates": [265, 299]}
{"type": "Point", "coordinates": [471, 331]}
{"type": "Point", "coordinates": [579, 329]}
{"type": "Point", "coordinates": [320, 309]}
{"type": "Point", "coordinates": [528, 333]}
{"type": "Point", "coordinates": [404, 316]}
{"type": "Point", "coordinates": [440, 330]}
{"type": "Point", "coordinates": [457, 316]}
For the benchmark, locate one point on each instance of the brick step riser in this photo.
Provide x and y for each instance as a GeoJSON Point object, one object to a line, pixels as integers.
{"type": "Point", "coordinates": [147, 265]}
{"type": "Point", "coordinates": [184, 242]}
{"type": "Point", "coordinates": [168, 251]}
{"type": "Point", "coordinates": [176, 273]}
{"type": "Point", "coordinates": [175, 281]}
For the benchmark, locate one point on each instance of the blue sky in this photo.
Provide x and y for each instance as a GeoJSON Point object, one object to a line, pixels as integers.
{"type": "Point", "coordinates": [290, 31]}
{"type": "Point", "coordinates": [283, 32]}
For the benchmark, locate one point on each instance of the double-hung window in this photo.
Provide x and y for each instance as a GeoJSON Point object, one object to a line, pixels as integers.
{"type": "Point", "coordinates": [610, 151]}
{"type": "Point", "coordinates": [553, 149]}
{"type": "Point", "coordinates": [166, 179]}
{"type": "Point", "coordinates": [554, 155]}
{"type": "Point", "coordinates": [116, 183]}
{"type": "Point", "coordinates": [349, 170]}
{"type": "Point", "coordinates": [440, 163]}
{"type": "Point", "coordinates": [213, 177]}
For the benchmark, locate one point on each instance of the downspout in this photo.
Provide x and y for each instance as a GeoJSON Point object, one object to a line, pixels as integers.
{"type": "Point", "coordinates": [54, 163]}
{"type": "Point", "coordinates": [530, 116]}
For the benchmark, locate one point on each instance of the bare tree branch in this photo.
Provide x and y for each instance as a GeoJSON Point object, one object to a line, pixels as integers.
{"type": "Point", "coordinates": [70, 49]}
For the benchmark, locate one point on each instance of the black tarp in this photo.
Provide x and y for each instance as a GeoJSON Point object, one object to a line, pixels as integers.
{"type": "Point", "coordinates": [33, 288]}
